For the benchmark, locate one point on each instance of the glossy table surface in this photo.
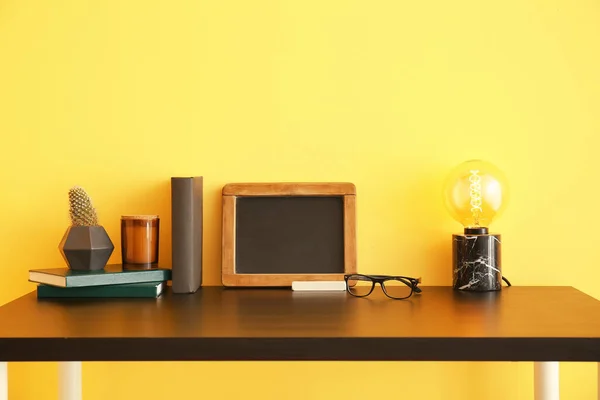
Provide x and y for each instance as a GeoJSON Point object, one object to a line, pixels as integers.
{"type": "Point", "coordinates": [215, 323]}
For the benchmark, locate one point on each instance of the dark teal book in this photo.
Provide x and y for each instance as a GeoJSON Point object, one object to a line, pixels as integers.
{"type": "Point", "coordinates": [112, 274]}
{"type": "Point", "coordinates": [151, 289]}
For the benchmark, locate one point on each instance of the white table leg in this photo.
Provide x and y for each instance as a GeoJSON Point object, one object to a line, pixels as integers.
{"type": "Point", "coordinates": [546, 380]}
{"type": "Point", "coordinates": [3, 380]}
{"type": "Point", "coordinates": [69, 380]}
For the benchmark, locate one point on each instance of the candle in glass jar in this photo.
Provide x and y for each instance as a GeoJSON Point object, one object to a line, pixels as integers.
{"type": "Point", "coordinates": [139, 239]}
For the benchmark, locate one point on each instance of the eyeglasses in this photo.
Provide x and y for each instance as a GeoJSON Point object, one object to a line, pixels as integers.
{"type": "Point", "coordinates": [394, 287]}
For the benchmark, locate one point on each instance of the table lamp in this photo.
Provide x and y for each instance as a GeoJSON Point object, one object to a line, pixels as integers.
{"type": "Point", "coordinates": [476, 193]}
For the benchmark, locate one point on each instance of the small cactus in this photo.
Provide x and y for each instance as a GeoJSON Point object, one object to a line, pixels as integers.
{"type": "Point", "coordinates": [81, 211]}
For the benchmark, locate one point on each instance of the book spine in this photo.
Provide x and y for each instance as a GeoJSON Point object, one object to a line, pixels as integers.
{"type": "Point", "coordinates": [147, 290]}
{"type": "Point", "coordinates": [186, 235]}
{"type": "Point", "coordinates": [142, 276]}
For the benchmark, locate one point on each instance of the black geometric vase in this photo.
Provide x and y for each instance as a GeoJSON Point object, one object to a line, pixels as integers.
{"type": "Point", "coordinates": [86, 248]}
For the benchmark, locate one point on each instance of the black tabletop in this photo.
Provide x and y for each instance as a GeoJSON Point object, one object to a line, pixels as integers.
{"type": "Point", "coordinates": [516, 324]}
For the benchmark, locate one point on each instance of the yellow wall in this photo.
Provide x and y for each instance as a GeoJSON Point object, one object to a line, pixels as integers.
{"type": "Point", "coordinates": [118, 96]}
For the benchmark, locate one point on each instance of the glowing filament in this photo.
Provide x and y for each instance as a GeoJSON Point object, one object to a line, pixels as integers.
{"type": "Point", "coordinates": [475, 193]}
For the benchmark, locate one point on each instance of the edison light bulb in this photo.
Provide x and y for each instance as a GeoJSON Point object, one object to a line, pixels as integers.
{"type": "Point", "coordinates": [476, 193]}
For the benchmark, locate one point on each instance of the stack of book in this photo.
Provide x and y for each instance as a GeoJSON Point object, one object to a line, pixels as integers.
{"type": "Point", "coordinates": [112, 281]}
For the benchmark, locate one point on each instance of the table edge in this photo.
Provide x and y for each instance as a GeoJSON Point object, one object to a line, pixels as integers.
{"type": "Point", "coordinates": [301, 349]}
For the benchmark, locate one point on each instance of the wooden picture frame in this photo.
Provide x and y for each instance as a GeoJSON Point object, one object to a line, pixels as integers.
{"type": "Point", "coordinates": [232, 193]}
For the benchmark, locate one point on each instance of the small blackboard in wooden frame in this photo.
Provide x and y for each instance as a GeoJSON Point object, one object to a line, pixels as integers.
{"type": "Point", "coordinates": [277, 233]}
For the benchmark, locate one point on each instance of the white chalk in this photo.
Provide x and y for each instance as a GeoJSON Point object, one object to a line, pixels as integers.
{"type": "Point", "coordinates": [318, 286]}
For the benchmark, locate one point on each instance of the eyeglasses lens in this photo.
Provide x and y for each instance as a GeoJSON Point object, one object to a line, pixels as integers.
{"type": "Point", "coordinates": [359, 285]}
{"type": "Point", "coordinates": [397, 289]}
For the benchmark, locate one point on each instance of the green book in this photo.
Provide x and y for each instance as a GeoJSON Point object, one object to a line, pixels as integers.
{"type": "Point", "coordinates": [112, 274]}
{"type": "Point", "coordinates": [150, 289]}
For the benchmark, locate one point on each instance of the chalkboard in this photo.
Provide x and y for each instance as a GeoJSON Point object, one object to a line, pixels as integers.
{"type": "Point", "coordinates": [276, 233]}
{"type": "Point", "coordinates": [289, 235]}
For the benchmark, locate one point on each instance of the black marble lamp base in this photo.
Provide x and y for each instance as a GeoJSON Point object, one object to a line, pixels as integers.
{"type": "Point", "coordinates": [476, 262]}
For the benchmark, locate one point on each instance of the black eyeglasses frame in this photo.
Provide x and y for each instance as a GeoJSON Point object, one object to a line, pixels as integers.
{"type": "Point", "coordinates": [380, 279]}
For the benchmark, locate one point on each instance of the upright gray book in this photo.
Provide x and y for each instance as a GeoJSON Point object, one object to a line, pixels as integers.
{"type": "Point", "coordinates": [186, 234]}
